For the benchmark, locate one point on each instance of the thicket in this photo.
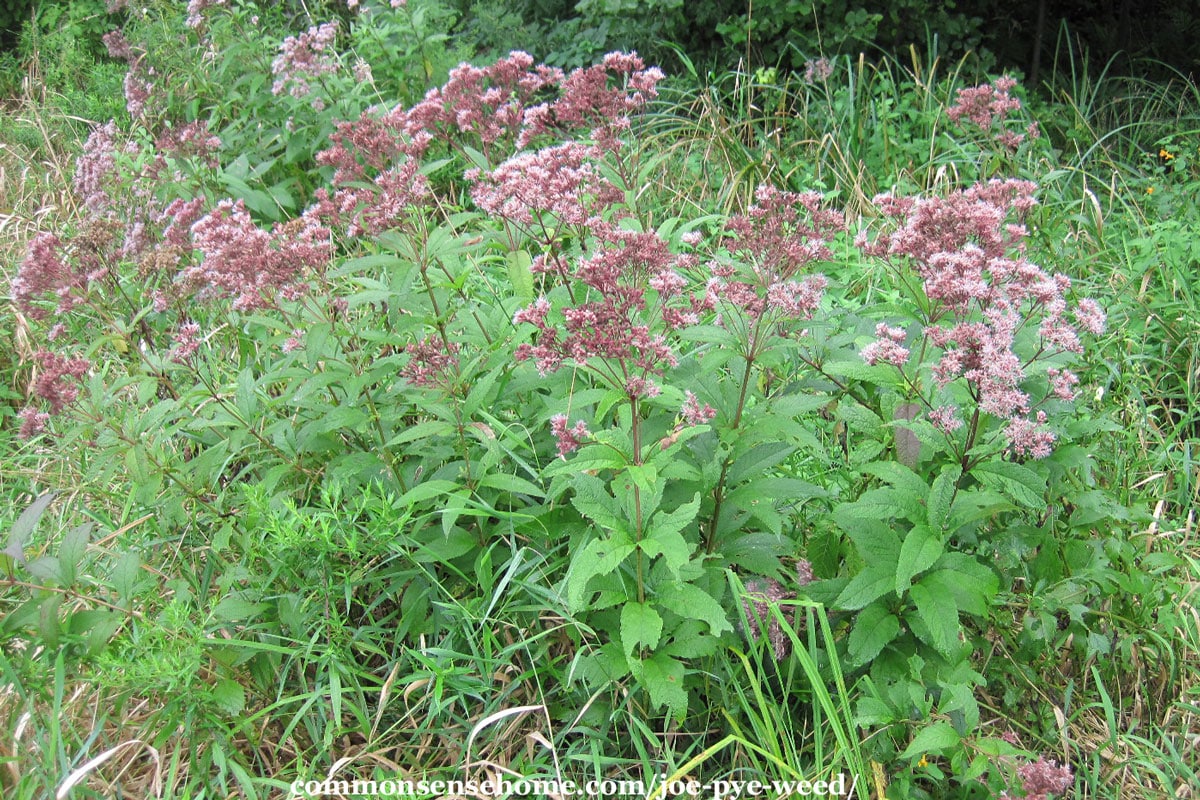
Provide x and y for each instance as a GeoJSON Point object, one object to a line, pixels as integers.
{"type": "Point", "coordinates": [372, 414]}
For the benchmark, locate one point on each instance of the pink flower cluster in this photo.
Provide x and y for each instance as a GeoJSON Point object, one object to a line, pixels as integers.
{"type": "Point", "coordinates": [818, 70]}
{"type": "Point", "coordinates": [988, 106]}
{"type": "Point", "coordinates": [887, 347]}
{"type": "Point", "coordinates": [562, 181]}
{"type": "Point", "coordinates": [496, 109]}
{"type": "Point", "coordinates": [196, 9]}
{"type": "Point", "coordinates": [771, 248]}
{"type": "Point", "coordinates": [1043, 779]}
{"type": "Point", "coordinates": [497, 103]}
{"type": "Point", "coordinates": [983, 293]}
{"type": "Point", "coordinates": [569, 439]}
{"type": "Point", "coordinates": [242, 261]}
{"type": "Point", "coordinates": [432, 364]}
{"type": "Point", "coordinates": [118, 46]}
{"type": "Point", "coordinates": [56, 382]}
{"type": "Point", "coordinates": [44, 272]}
{"type": "Point", "coordinates": [304, 57]}
{"type": "Point", "coordinates": [634, 298]}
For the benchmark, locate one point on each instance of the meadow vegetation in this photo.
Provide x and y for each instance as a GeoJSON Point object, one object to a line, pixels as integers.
{"type": "Point", "coordinates": [382, 403]}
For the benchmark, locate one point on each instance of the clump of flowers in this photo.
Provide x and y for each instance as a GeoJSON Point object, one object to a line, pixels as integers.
{"type": "Point", "coordinates": [982, 296]}
{"type": "Point", "coordinates": [304, 58]}
{"type": "Point", "coordinates": [765, 282]}
{"type": "Point", "coordinates": [562, 181]}
{"type": "Point", "coordinates": [1042, 780]}
{"type": "Point", "coordinates": [987, 107]}
{"type": "Point", "coordinates": [818, 70]}
{"type": "Point", "coordinates": [242, 261]}
{"type": "Point", "coordinates": [196, 9]}
{"type": "Point", "coordinates": [633, 286]}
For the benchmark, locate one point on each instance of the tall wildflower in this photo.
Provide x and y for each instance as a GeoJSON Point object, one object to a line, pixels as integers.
{"type": "Point", "coordinates": [987, 107]}
{"type": "Point", "coordinates": [631, 282]}
{"type": "Point", "coordinates": [245, 262]}
{"type": "Point", "coordinates": [983, 297]}
{"type": "Point", "coordinates": [765, 282]}
{"type": "Point", "coordinates": [304, 58]}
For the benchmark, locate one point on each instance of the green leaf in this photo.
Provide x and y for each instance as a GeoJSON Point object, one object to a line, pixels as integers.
{"type": "Point", "coordinates": [72, 550]}
{"type": "Point", "coordinates": [520, 275]}
{"type": "Point", "coordinates": [665, 535]}
{"type": "Point", "coordinates": [878, 374]}
{"type": "Point", "coordinates": [938, 614]}
{"type": "Point", "coordinates": [971, 584]}
{"type": "Point", "coordinates": [874, 628]}
{"type": "Point", "coordinates": [867, 586]}
{"type": "Point", "coordinates": [876, 541]}
{"type": "Point", "coordinates": [593, 501]}
{"type": "Point", "coordinates": [663, 678]}
{"type": "Point", "coordinates": [18, 534]}
{"type": "Point", "coordinates": [900, 476]}
{"type": "Point", "coordinates": [229, 696]}
{"type": "Point", "coordinates": [937, 738]}
{"type": "Point", "coordinates": [921, 548]}
{"type": "Point", "coordinates": [759, 553]}
{"type": "Point", "coordinates": [125, 575]}
{"type": "Point", "coordinates": [511, 484]}
{"type": "Point", "coordinates": [691, 602]}
{"type": "Point", "coordinates": [598, 557]}
{"type": "Point", "coordinates": [1016, 481]}
{"type": "Point", "coordinates": [878, 504]}
{"type": "Point", "coordinates": [233, 608]}
{"type": "Point", "coordinates": [640, 626]}
{"type": "Point", "coordinates": [426, 491]}
{"type": "Point", "coordinates": [941, 495]}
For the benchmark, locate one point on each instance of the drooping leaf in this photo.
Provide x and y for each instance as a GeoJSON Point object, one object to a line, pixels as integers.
{"type": "Point", "coordinates": [938, 738]}
{"type": "Point", "coordinates": [938, 615]}
{"type": "Point", "coordinates": [874, 628]}
{"type": "Point", "coordinates": [691, 602]}
{"type": "Point", "coordinates": [19, 533]}
{"type": "Point", "coordinates": [641, 626]}
{"type": "Point", "coordinates": [941, 496]}
{"type": "Point", "coordinates": [867, 586]}
{"type": "Point", "coordinates": [1016, 481]}
{"type": "Point", "coordinates": [921, 548]}
{"type": "Point", "coordinates": [663, 679]}
{"type": "Point", "coordinates": [599, 557]}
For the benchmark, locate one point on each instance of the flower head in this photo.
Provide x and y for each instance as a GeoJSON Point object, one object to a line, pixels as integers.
{"type": "Point", "coordinates": [304, 57]}
{"type": "Point", "coordinates": [569, 439]}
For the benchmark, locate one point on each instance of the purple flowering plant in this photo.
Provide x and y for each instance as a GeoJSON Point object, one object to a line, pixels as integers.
{"type": "Point", "coordinates": [470, 302]}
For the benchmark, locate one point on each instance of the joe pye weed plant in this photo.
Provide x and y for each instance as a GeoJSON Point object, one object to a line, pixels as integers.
{"type": "Point", "coordinates": [464, 364]}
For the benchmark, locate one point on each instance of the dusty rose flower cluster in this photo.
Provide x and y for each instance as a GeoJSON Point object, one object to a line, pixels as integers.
{"type": "Point", "coordinates": [242, 261]}
{"type": "Point", "coordinates": [818, 70]}
{"type": "Point", "coordinates": [432, 364]}
{"type": "Point", "coordinates": [764, 281]}
{"type": "Point", "coordinates": [196, 9]}
{"type": "Point", "coordinates": [988, 106]}
{"type": "Point", "coordinates": [969, 255]}
{"type": "Point", "coordinates": [1043, 779]}
{"type": "Point", "coordinates": [562, 181]}
{"type": "Point", "coordinates": [303, 58]}
{"type": "Point", "coordinates": [619, 331]}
